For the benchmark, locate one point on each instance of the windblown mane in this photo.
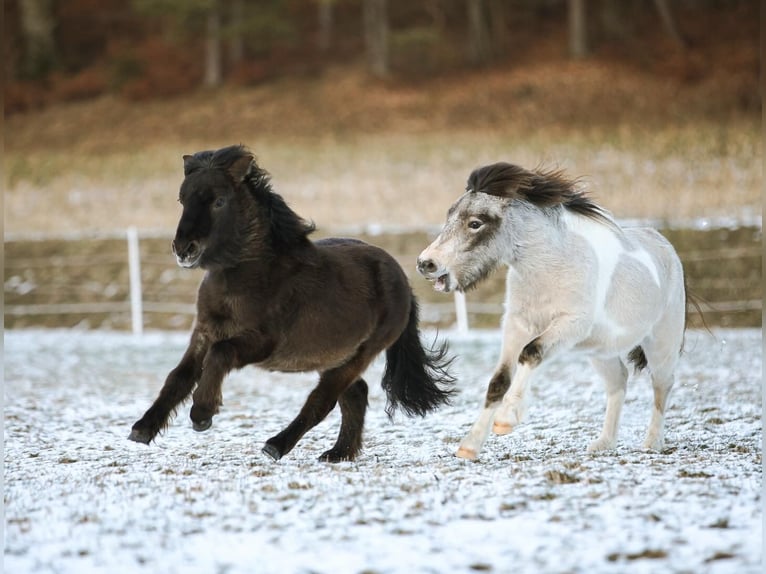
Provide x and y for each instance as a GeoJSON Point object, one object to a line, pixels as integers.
{"type": "Point", "coordinates": [540, 188]}
{"type": "Point", "coordinates": [287, 227]}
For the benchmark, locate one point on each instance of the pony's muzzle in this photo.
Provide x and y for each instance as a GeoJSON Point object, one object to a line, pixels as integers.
{"type": "Point", "coordinates": [187, 252]}
{"type": "Point", "coordinates": [432, 271]}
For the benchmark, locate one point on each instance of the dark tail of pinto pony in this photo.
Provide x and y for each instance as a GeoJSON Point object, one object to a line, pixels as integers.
{"type": "Point", "coordinates": [637, 356]}
{"type": "Point", "coordinates": [416, 379]}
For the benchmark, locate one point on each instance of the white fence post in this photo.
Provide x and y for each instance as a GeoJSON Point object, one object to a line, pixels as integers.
{"type": "Point", "coordinates": [134, 265]}
{"type": "Point", "coordinates": [461, 314]}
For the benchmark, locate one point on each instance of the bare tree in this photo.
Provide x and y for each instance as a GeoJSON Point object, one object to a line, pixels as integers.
{"type": "Point", "coordinates": [213, 68]}
{"type": "Point", "coordinates": [479, 40]}
{"type": "Point", "coordinates": [37, 27]}
{"type": "Point", "coordinates": [324, 15]}
{"type": "Point", "coordinates": [669, 22]}
{"type": "Point", "coordinates": [236, 40]}
{"type": "Point", "coordinates": [578, 34]}
{"type": "Point", "coordinates": [376, 36]}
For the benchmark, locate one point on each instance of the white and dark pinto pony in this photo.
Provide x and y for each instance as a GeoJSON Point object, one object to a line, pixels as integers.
{"type": "Point", "coordinates": [576, 281]}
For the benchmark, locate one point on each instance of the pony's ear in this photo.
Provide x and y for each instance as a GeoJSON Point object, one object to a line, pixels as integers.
{"type": "Point", "coordinates": [242, 167]}
{"type": "Point", "coordinates": [190, 164]}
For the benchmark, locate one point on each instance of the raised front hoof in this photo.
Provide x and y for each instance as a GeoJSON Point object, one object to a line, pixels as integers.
{"type": "Point", "coordinates": [334, 455]}
{"type": "Point", "coordinates": [139, 435]}
{"type": "Point", "coordinates": [201, 426]}
{"type": "Point", "coordinates": [466, 453]}
{"type": "Point", "coordinates": [271, 451]}
{"type": "Point", "coordinates": [501, 428]}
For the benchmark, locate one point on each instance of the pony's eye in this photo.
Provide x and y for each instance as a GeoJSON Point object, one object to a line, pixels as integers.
{"type": "Point", "coordinates": [475, 224]}
{"type": "Point", "coordinates": [219, 202]}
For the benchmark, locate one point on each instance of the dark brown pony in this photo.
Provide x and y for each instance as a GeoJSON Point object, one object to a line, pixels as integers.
{"type": "Point", "coordinates": [274, 298]}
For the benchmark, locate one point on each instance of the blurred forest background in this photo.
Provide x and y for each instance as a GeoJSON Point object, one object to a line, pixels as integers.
{"type": "Point", "coordinates": [141, 49]}
{"type": "Point", "coordinates": [373, 112]}
{"type": "Point", "coordinates": [370, 114]}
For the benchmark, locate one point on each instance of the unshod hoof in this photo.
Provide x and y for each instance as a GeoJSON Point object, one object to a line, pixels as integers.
{"type": "Point", "coordinates": [202, 425]}
{"type": "Point", "coordinates": [466, 453]}
{"type": "Point", "coordinates": [137, 435]}
{"type": "Point", "coordinates": [271, 451]}
{"type": "Point", "coordinates": [501, 428]}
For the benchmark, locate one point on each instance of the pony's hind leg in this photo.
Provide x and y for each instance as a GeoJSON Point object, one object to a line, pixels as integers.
{"type": "Point", "coordinates": [663, 379]}
{"type": "Point", "coordinates": [353, 405]}
{"type": "Point", "coordinates": [318, 405]}
{"type": "Point", "coordinates": [662, 351]}
{"type": "Point", "coordinates": [615, 376]}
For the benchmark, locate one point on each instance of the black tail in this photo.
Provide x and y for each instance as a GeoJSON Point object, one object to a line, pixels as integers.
{"type": "Point", "coordinates": [638, 358]}
{"type": "Point", "coordinates": [415, 378]}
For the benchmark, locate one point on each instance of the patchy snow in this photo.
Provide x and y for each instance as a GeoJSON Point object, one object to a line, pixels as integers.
{"type": "Point", "coordinates": [81, 498]}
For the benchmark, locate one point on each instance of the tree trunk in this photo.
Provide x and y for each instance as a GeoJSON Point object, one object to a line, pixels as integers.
{"type": "Point", "coordinates": [497, 15]}
{"type": "Point", "coordinates": [376, 36]}
{"type": "Point", "coordinates": [479, 49]}
{"type": "Point", "coordinates": [669, 22]}
{"type": "Point", "coordinates": [236, 42]}
{"type": "Point", "coordinates": [325, 25]}
{"type": "Point", "coordinates": [213, 72]}
{"type": "Point", "coordinates": [37, 26]}
{"type": "Point", "coordinates": [578, 37]}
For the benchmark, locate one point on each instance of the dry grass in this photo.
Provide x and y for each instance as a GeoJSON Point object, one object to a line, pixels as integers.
{"type": "Point", "coordinates": [347, 151]}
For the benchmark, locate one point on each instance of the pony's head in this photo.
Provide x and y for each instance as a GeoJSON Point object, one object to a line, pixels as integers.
{"type": "Point", "coordinates": [230, 215]}
{"type": "Point", "coordinates": [480, 232]}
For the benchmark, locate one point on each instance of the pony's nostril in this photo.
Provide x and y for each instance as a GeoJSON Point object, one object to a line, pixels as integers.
{"type": "Point", "coordinates": [426, 266]}
{"type": "Point", "coordinates": [185, 250]}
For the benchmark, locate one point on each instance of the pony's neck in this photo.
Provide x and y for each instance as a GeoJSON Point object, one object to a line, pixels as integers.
{"type": "Point", "coordinates": [267, 265]}
{"type": "Point", "coordinates": [537, 236]}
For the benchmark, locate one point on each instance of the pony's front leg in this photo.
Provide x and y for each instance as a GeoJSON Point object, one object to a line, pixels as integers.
{"type": "Point", "coordinates": [514, 407]}
{"type": "Point", "coordinates": [221, 358]}
{"type": "Point", "coordinates": [474, 440]}
{"type": "Point", "coordinates": [515, 336]}
{"type": "Point", "coordinates": [178, 384]}
{"type": "Point", "coordinates": [560, 335]}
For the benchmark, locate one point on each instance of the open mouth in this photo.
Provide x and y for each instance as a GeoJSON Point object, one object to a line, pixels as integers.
{"type": "Point", "coordinates": [189, 262]}
{"type": "Point", "coordinates": [442, 283]}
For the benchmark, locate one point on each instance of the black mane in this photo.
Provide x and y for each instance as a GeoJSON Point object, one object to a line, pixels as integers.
{"type": "Point", "coordinates": [287, 227]}
{"type": "Point", "coordinates": [540, 188]}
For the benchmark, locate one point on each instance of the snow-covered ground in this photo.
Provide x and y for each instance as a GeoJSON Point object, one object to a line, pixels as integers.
{"type": "Point", "coordinates": [81, 498]}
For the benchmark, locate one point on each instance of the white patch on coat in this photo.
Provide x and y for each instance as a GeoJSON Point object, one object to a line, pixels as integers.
{"type": "Point", "coordinates": [646, 260]}
{"type": "Point", "coordinates": [607, 247]}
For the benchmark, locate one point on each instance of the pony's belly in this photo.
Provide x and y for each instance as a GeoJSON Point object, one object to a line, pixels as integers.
{"type": "Point", "coordinates": [611, 339]}
{"type": "Point", "coordinates": [291, 360]}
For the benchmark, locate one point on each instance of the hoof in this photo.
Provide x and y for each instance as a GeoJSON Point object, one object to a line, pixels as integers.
{"type": "Point", "coordinates": [138, 435]}
{"type": "Point", "coordinates": [271, 451]}
{"type": "Point", "coordinates": [466, 453]}
{"type": "Point", "coordinates": [654, 445]}
{"type": "Point", "coordinates": [202, 425]}
{"type": "Point", "coordinates": [501, 428]}
{"type": "Point", "coordinates": [334, 456]}
{"type": "Point", "coordinates": [601, 445]}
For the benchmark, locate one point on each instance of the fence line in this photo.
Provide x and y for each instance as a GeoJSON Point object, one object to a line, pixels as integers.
{"type": "Point", "coordinates": [136, 307]}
